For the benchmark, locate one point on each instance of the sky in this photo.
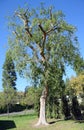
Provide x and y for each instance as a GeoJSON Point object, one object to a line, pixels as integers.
{"type": "Point", "coordinates": [73, 10]}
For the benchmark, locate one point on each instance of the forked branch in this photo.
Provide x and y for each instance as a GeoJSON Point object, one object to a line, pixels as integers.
{"type": "Point", "coordinates": [25, 19]}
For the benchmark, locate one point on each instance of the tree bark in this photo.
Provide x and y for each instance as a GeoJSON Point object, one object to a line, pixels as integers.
{"type": "Point", "coordinates": [42, 116]}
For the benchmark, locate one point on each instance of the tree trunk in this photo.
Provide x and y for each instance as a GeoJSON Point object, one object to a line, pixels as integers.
{"type": "Point", "coordinates": [8, 110]}
{"type": "Point", "coordinates": [42, 116]}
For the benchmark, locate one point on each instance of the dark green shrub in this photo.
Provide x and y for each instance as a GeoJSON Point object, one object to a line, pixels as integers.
{"type": "Point", "coordinates": [76, 111]}
{"type": "Point", "coordinates": [66, 107]}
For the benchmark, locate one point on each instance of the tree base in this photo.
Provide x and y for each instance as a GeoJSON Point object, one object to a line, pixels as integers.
{"type": "Point", "coordinates": [41, 123]}
{"type": "Point", "coordinates": [42, 118]}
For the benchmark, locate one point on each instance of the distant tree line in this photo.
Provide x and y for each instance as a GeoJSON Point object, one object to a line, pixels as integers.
{"type": "Point", "coordinates": [65, 106]}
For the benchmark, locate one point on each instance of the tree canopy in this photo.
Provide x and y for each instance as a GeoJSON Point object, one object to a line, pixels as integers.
{"type": "Point", "coordinates": [42, 40]}
{"type": "Point", "coordinates": [76, 84]}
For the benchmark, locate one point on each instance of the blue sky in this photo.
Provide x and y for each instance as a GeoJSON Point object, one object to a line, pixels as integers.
{"type": "Point", "coordinates": [73, 9]}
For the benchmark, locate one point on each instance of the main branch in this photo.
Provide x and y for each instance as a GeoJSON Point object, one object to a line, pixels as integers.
{"type": "Point", "coordinates": [24, 17]}
{"type": "Point", "coordinates": [44, 38]}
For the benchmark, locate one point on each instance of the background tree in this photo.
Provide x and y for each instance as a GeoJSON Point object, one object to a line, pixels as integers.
{"type": "Point", "coordinates": [9, 80]}
{"type": "Point", "coordinates": [41, 41]}
{"type": "Point", "coordinates": [76, 84]}
{"type": "Point", "coordinates": [56, 90]}
{"type": "Point", "coordinates": [75, 90]}
{"type": "Point", "coordinates": [66, 107]}
{"type": "Point", "coordinates": [32, 96]}
{"type": "Point", "coordinates": [29, 96]}
{"type": "Point", "coordinates": [2, 102]}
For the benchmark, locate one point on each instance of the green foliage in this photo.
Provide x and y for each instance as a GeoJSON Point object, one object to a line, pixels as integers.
{"type": "Point", "coordinates": [2, 100]}
{"type": "Point", "coordinates": [9, 80]}
{"type": "Point", "coordinates": [26, 121]}
{"type": "Point", "coordinates": [32, 97]}
{"type": "Point", "coordinates": [53, 109]}
{"type": "Point", "coordinates": [66, 107]}
{"type": "Point", "coordinates": [75, 85]}
{"type": "Point", "coordinates": [76, 111]}
{"type": "Point", "coordinates": [9, 74]}
{"type": "Point", "coordinates": [61, 45]}
{"type": "Point", "coordinates": [78, 64]}
{"type": "Point", "coordinates": [38, 93]}
{"type": "Point", "coordinates": [29, 96]}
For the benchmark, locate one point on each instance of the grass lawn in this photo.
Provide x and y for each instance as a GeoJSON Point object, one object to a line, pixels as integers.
{"type": "Point", "coordinates": [27, 122]}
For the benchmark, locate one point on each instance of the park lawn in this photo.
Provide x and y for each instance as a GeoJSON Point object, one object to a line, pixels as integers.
{"type": "Point", "coordinates": [27, 122]}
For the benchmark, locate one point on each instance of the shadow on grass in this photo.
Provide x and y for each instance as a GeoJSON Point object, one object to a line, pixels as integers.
{"type": "Point", "coordinates": [7, 124]}
{"type": "Point", "coordinates": [52, 122]}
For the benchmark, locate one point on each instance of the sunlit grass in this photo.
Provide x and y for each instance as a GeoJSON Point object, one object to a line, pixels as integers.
{"type": "Point", "coordinates": [27, 122]}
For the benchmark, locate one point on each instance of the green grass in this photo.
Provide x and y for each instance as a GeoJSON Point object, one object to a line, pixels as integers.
{"type": "Point", "coordinates": [27, 122]}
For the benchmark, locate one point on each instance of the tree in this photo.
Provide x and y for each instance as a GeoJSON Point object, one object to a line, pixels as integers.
{"type": "Point", "coordinates": [56, 90]}
{"type": "Point", "coordinates": [41, 41]}
{"type": "Point", "coordinates": [75, 90]}
{"type": "Point", "coordinates": [76, 84]}
{"type": "Point", "coordinates": [29, 96]}
{"type": "Point", "coordinates": [76, 111]}
{"type": "Point", "coordinates": [9, 79]}
{"type": "Point", "coordinates": [66, 107]}
{"type": "Point", "coordinates": [2, 101]}
{"type": "Point", "coordinates": [32, 96]}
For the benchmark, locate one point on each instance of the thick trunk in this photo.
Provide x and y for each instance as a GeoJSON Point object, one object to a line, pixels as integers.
{"type": "Point", "coordinates": [42, 117]}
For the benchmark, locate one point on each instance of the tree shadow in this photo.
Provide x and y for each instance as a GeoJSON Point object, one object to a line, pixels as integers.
{"type": "Point", "coordinates": [7, 124]}
{"type": "Point", "coordinates": [52, 122]}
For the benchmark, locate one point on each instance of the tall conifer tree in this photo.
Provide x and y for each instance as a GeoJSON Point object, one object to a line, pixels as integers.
{"type": "Point", "coordinates": [9, 80]}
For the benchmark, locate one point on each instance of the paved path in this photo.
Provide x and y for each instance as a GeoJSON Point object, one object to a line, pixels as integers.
{"type": "Point", "coordinates": [19, 113]}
